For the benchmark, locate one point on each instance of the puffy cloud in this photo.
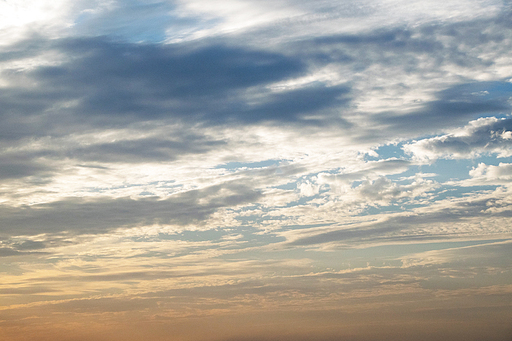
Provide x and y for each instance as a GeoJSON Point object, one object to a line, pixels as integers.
{"type": "Point", "coordinates": [308, 189]}
{"type": "Point", "coordinates": [483, 136]}
{"type": "Point", "coordinates": [379, 190]}
{"type": "Point", "coordinates": [341, 181]}
{"type": "Point", "coordinates": [382, 191]}
{"type": "Point", "coordinates": [501, 173]}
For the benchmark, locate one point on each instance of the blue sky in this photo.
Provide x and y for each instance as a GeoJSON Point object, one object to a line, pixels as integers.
{"type": "Point", "coordinates": [255, 170]}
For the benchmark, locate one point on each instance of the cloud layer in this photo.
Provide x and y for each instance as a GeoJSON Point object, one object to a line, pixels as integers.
{"type": "Point", "coordinates": [255, 168]}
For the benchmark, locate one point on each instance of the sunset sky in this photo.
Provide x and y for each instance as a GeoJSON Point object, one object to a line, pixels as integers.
{"type": "Point", "coordinates": [255, 170]}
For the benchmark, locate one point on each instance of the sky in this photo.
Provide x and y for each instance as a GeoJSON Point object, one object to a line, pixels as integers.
{"type": "Point", "coordinates": [255, 170]}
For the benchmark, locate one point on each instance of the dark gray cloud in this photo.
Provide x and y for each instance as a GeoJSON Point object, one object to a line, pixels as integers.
{"type": "Point", "coordinates": [23, 248]}
{"type": "Point", "coordinates": [161, 72]}
{"type": "Point", "coordinates": [453, 107]}
{"type": "Point", "coordinates": [291, 105]}
{"type": "Point", "coordinates": [13, 166]}
{"type": "Point", "coordinates": [408, 47]}
{"type": "Point", "coordinates": [443, 43]}
{"type": "Point", "coordinates": [150, 149]}
{"type": "Point", "coordinates": [430, 51]}
{"type": "Point", "coordinates": [43, 163]}
{"type": "Point", "coordinates": [28, 245]}
{"type": "Point", "coordinates": [396, 39]}
{"type": "Point", "coordinates": [113, 84]}
{"type": "Point", "coordinates": [482, 136]}
{"type": "Point", "coordinates": [100, 215]}
{"type": "Point", "coordinates": [6, 251]}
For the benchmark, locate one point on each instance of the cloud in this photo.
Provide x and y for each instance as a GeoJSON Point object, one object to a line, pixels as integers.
{"type": "Point", "coordinates": [100, 215]}
{"type": "Point", "coordinates": [6, 252]}
{"type": "Point", "coordinates": [468, 256]}
{"type": "Point", "coordinates": [131, 20]}
{"type": "Point", "coordinates": [452, 107]}
{"type": "Point", "coordinates": [418, 65]}
{"type": "Point", "coordinates": [18, 166]}
{"type": "Point", "coordinates": [483, 136]}
{"type": "Point", "coordinates": [453, 218]}
{"type": "Point", "coordinates": [141, 150]}
{"type": "Point", "coordinates": [286, 20]}
{"type": "Point", "coordinates": [382, 190]}
{"type": "Point", "coordinates": [308, 189]}
{"type": "Point", "coordinates": [22, 248]}
{"type": "Point", "coordinates": [379, 191]}
{"type": "Point", "coordinates": [169, 159]}
{"type": "Point", "coordinates": [110, 83]}
{"type": "Point", "coordinates": [341, 181]}
{"type": "Point", "coordinates": [30, 245]}
{"type": "Point", "coordinates": [500, 174]}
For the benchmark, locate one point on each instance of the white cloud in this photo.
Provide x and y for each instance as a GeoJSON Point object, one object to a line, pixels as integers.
{"type": "Point", "coordinates": [493, 174]}
{"type": "Point", "coordinates": [308, 189]}
{"type": "Point", "coordinates": [22, 19]}
{"type": "Point", "coordinates": [483, 136]}
{"type": "Point", "coordinates": [294, 19]}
